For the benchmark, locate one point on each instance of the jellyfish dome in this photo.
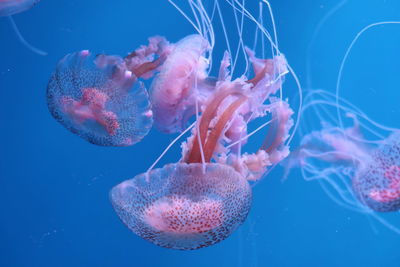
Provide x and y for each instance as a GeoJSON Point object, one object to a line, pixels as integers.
{"type": "Point", "coordinates": [180, 206]}
{"type": "Point", "coordinates": [99, 99]}
{"type": "Point", "coordinates": [377, 183]}
{"type": "Point", "coordinates": [180, 82]}
{"type": "Point", "coordinates": [11, 7]}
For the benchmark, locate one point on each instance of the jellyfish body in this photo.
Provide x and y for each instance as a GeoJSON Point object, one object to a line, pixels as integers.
{"type": "Point", "coordinates": [377, 183]}
{"type": "Point", "coordinates": [11, 7]}
{"type": "Point", "coordinates": [181, 207]}
{"type": "Point", "coordinates": [99, 99]}
{"type": "Point", "coordinates": [174, 90]}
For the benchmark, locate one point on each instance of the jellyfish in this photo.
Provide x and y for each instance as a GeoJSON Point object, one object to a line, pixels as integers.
{"type": "Point", "coordinates": [355, 158]}
{"type": "Point", "coordinates": [100, 97]}
{"type": "Point", "coordinates": [203, 198]}
{"type": "Point", "coordinates": [11, 7]}
{"type": "Point", "coordinates": [180, 206]}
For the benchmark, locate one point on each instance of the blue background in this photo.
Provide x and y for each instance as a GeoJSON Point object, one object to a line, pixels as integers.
{"type": "Point", "coordinates": [54, 206]}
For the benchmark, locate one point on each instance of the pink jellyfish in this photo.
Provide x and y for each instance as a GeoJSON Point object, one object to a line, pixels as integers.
{"type": "Point", "coordinates": [355, 159]}
{"type": "Point", "coordinates": [368, 169]}
{"type": "Point", "coordinates": [180, 206]}
{"type": "Point", "coordinates": [359, 173]}
{"type": "Point", "coordinates": [11, 7]}
{"type": "Point", "coordinates": [100, 97]}
{"type": "Point", "coordinates": [203, 198]}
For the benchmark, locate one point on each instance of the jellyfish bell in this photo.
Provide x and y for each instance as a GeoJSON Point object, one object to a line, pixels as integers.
{"type": "Point", "coordinates": [181, 207]}
{"type": "Point", "coordinates": [12, 7]}
{"type": "Point", "coordinates": [91, 102]}
{"type": "Point", "coordinates": [101, 99]}
{"type": "Point", "coordinates": [179, 83]}
{"type": "Point", "coordinates": [377, 183]}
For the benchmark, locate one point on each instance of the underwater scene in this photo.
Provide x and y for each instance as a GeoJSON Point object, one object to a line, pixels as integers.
{"type": "Point", "coordinates": [200, 133]}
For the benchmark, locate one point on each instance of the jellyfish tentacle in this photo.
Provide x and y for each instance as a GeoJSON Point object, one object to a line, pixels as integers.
{"type": "Point", "coordinates": [215, 134]}
{"type": "Point", "coordinates": [244, 138]}
{"type": "Point", "coordinates": [346, 56]}
{"type": "Point", "coordinates": [146, 67]}
{"type": "Point", "coordinates": [141, 61]}
{"type": "Point", "coordinates": [241, 47]}
{"type": "Point", "coordinates": [169, 146]}
{"type": "Point", "coordinates": [282, 116]}
{"type": "Point", "coordinates": [208, 114]}
{"type": "Point", "coordinates": [224, 30]}
{"type": "Point", "coordinates": [196, 27]}
{"type": "Point", "coordinates": [268, 68]}
{"type": "Point", "coordinates": [22, 39]}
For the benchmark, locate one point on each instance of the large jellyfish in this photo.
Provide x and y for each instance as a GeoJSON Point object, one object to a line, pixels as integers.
{"type": "Point", "coordinates": [100, 98]}
{"type": "Point", "coordinates": [206, 195]}
{"type": "Point", "coordinates": [356, 159]}
{"type": "Point", "coordinates": [12, 7]}
{"type": "Point", "coordinates": [200, 200]}
{"type": "Point", "coordinates": [182, 206]}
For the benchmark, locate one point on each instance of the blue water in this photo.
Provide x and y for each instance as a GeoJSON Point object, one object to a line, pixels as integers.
{"type": "Point", "coordinates": [54, 186]}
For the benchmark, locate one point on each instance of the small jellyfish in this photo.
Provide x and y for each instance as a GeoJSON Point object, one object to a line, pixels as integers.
{"type": "Point", "coordinates": [100, 97]}
{"type": "Point", "coordinates": [355, 159]}
{"type": "Point", "coordinates": [371, 167]}
{"type": "Point", "coordinates": [11, 7]}
{"type": "Point", "coordinates": [357, 165]}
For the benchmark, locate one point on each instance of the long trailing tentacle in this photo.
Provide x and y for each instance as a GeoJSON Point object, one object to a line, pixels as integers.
{"type": "Point", "coordinates": [346, 55]}
{"type": "Point", "coordinates": [22, 39]}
